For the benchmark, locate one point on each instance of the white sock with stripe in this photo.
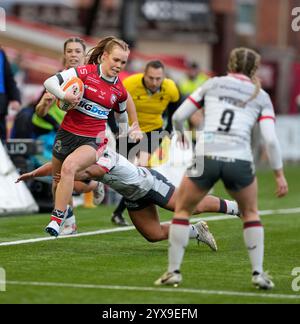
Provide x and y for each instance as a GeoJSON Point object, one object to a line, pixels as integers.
{"type": "Point", "coordinates": [178, 240]}
{"type": "Point", "coordinates": [193, 233]}
{"type": "Point", "coordinates": [254, 240]}
{"type": "Point", "coordinates": [232, 207]}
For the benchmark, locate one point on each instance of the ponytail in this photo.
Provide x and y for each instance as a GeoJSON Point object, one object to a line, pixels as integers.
{"type": "Point", "coordinates": [105, 45]}
{"type": "Point", "coordinates": [246, 61]}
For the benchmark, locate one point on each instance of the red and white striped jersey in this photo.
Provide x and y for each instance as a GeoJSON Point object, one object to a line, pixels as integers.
{"type": "Point", "coordinates": [100, 97]}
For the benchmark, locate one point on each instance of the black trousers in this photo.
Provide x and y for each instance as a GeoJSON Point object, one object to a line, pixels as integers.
{"type": "Point", "coordinates": [3, 127]}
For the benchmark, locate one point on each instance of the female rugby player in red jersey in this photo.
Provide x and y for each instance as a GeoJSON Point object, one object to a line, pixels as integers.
{"type": "Point", "coordinates": [81, 138]}
{"type": "Point", "coordinates": [74, 55]}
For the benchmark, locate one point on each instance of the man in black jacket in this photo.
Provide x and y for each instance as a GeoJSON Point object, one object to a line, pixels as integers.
{"type": "Point", "coordinates": [9, 93]}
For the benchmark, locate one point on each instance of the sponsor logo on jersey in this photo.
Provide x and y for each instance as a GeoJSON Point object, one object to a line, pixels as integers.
{"type": "Point", "coordinates": [102, 95]}
{"type": "Point", "coordinates": [58, 146]}
{"type": "Point", "coordinates": [92, 79]}
{"type": "Point", "coordinates": [92, 109]}
{"type": "Point", "coordinates": [91, 88]}
{"type": "Point", "coordinates": [113, 99]}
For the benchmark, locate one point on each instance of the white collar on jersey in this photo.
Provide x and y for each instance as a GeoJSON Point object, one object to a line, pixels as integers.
{"type": "Point", "coordinates": [112, 80]}
{"type": "Point", "coordinates": [240, 76]}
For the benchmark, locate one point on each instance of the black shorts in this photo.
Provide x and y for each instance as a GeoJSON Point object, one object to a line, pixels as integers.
{"type": "Point", "coordinates": [159, 195]}
{"type": "Point", "coordinates": [150, 142]}
{"type": "Point", "coordinates": [235, 174]}
{"type": "Point", "coordinates": [66, 143]}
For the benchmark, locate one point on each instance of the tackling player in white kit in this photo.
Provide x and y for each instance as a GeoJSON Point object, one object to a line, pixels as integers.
{"type": "Point", "coordinates": [142, 189]}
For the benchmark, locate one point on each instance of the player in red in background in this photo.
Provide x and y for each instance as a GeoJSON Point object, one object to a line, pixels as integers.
{"type": "Point", "coordinates": [81, 139]}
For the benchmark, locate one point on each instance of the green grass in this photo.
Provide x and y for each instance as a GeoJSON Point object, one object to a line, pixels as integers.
{"type": "Point", "coordinates": [127, 259]}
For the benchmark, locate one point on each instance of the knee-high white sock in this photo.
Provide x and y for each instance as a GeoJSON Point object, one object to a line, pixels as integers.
{"type": "Point", "coordinates": [254, 240]}
{"type": "Point", "coordinates": [232, 207]}
{"type": "Point", "coordinates": [193, 233]}
{"type": "Point", "coordinates": [178, 240]}
{"type": "Point", "coordinates": [229, 207]}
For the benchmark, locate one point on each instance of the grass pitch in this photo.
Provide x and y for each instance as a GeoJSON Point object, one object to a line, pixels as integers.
{"type": "Point", "coordinates": [120, 267]}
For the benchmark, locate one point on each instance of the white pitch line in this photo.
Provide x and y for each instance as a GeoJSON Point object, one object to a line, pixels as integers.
{"type": "Point", "coordinates": [130, 228]}
{"type": "Point", "coordinates": [154, 289]}
{"type": "Point", "coordinates": [41, 239]}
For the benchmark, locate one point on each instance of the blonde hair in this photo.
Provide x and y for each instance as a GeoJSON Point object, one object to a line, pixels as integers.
{"type": "Point", "coordinates": [106, 44]}
{"type": "Point", "coordinates": [246, 61]}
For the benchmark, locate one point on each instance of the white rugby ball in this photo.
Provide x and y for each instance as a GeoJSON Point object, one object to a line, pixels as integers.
{"type": "Point", "coordinates": [76, 86]}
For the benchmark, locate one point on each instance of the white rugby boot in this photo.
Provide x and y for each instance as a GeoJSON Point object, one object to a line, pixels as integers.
{"type": "Point", "coordinates": [169, 278]}
{"type": "Point", "coordinates": [56, 224]}
{"type": "Point", "coordinates": [262, 281]}
{"type": "Point", "coordinates": [70, 227]}
{"type": "Point", "coordinates": [205, 236]}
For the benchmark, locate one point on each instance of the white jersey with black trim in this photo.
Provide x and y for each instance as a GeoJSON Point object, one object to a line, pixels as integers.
{"type": "Point", "coordinates": [228, 120]}
{"type": "Point", "coordinates": [128, 180]}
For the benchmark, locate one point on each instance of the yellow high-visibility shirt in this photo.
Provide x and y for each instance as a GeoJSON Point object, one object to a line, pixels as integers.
{"type": "Point", "coordinates": [150, 107]}
{"type": "Point", "coordinates": [188, 86]}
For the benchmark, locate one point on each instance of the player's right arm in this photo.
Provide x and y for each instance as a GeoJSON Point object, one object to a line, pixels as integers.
{"type": "Point", "coordinates": [268, 132]}
{"type": "Point", "coordinates": [44, 105]}
{"type": "Point", "coordinates": [135, 130]}
{"type": "Point", "coordinates": [43, 171]}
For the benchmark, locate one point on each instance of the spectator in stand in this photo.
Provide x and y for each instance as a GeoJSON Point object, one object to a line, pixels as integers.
{"type": "Point", "coordinates": [193, 80]}
{"type": "Point", "coordinates": [19, 70]}
{"type": "Point", "coordinates": [9, 93]}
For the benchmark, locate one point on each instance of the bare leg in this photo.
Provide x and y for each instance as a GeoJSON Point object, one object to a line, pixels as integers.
{"type": "Point", "coordinates": [209, 204]}
{"type": "Point", "coordinates": [80, 159]}
{"type": "Point", "coordinates": [189, 196]}
{"type": "Point", "coordinates": [56, 169]}
{"type": "Point", "coordinates": [81, 187]}
{"type": "Point", "coordinates": [247, 201]}
{"type": "Point", "coordinates": [147, 223]}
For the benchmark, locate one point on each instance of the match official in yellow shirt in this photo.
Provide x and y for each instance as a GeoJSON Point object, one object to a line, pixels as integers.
{"type": "Point", "coordinates": [151, 93]}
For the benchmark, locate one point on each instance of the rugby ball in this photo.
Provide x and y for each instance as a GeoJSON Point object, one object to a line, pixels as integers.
{"type": "Point", "coordinates": [76, 86]}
